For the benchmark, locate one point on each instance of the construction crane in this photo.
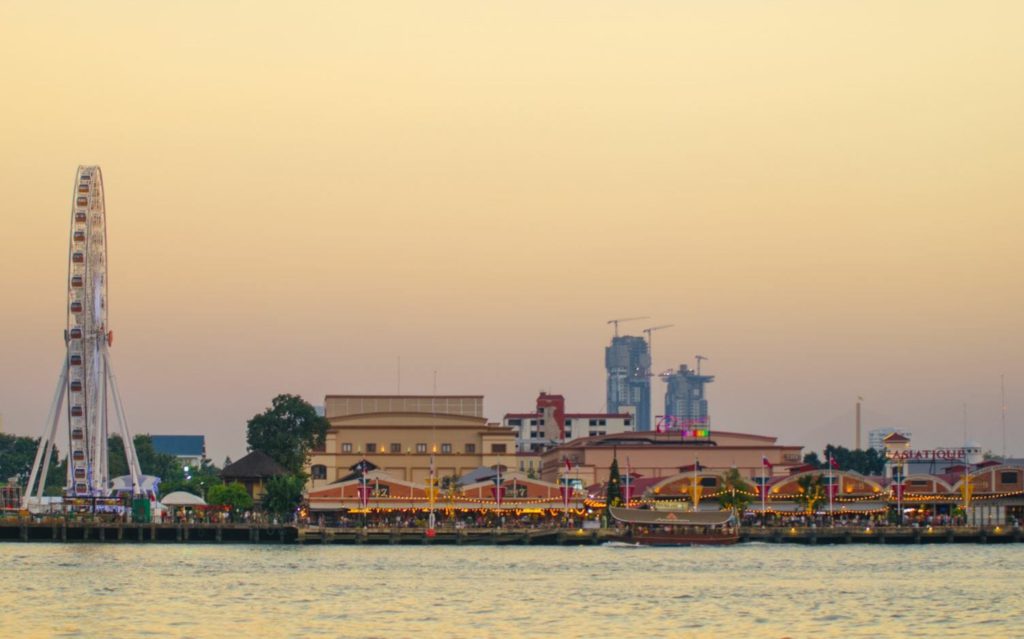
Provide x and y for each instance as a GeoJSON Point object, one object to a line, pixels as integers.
{"type": "Point", "coordinates": [625, 319]}
{"type": "Point", "coordinates": [699, 358]}
{"type": "Point", "coordinates": [650, 344]}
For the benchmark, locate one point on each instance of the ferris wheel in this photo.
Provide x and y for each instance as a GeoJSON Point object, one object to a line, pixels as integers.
{"type": "Point", "coordinates": [86, 378]}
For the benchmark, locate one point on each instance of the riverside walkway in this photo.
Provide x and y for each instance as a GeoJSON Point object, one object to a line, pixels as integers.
{"type": "Point", "coordinates": [59, 530]}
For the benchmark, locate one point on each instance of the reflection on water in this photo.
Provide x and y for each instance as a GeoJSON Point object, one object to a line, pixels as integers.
{"type": "Point", "coordinates": [91, 590]}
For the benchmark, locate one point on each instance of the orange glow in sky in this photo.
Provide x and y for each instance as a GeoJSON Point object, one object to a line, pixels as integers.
{"type": "Point", "coordinates": [824, 198]}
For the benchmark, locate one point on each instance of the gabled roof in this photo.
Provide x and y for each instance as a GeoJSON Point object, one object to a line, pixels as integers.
{"type": "Point", "coordinates": [256, 464]}
{"type": "Point", "coordinates": [895, 438]}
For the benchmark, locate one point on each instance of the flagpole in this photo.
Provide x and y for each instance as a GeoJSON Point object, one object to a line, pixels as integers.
{"type": "Point", "coordinates": [830, 480]}
{"type": "Point", "coordinates": [764, 492]}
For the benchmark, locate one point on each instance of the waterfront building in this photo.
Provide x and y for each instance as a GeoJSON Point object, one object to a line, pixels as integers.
{"type": "Point", "coordinates": [381, 492]}
{"type": "Point", "coordinates": [628, 364]}
{"type": "Point", "coordinates": [253, 471]}
{"type": "Point", "coordinates": [550, 425]}
{"type": "Point", "coordinates": [401, 434]}
{"type": "Point", "coordinates": [685, 402]}
{"type": "Point", "coordinates": [190, 450]}
{"type": "Point", "coordinates": [659, 455]}
{"type": "Point", "coordinates": [876, 437]}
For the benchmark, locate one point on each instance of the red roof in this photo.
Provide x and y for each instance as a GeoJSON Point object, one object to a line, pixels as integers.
{"type": "Point", "coordinates": [895, 438]}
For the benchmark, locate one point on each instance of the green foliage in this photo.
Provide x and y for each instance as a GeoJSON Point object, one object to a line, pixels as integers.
{"type": "Point", "coordinates": [811, 459]}
{"type": "Point", "coordinates": [166, 467]}
{"type": "Point", "coordinates": [288, 431]}
{"type": "Point", "coordinates": [865, 462]}
{"type": "Point", "coordinates": [284, 494]}
{"type": "Point", "coordinates": [614, 494]}
{"type": "Point", "coordinates": [736, 493]}
{"type": "Point", "coordinates": [198, 480]}
{"type": "Point", "coordinates": [811, 494]}
{"type": "Point", "coordinates": [16, 456]}
{"type": "Point", "coordinates": [232, 494]}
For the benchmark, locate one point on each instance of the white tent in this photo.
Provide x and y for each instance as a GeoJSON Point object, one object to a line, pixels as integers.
{"type": "Point", "coordinates": [181, 498]}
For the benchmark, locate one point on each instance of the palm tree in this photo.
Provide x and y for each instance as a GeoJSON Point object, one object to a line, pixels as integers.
{"type": "Point", "coordinates": [811, 492]}
{"type": "Point", "coordinates": [735, 493]}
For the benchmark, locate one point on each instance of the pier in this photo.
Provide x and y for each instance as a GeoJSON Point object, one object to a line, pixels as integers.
{"type": "Point", "coordinates": [57, 530]}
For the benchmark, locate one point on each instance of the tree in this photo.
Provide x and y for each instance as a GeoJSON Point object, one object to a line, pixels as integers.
{"type": "Point", "coordinates": [17, 453]}
{"type": "Point", "coordinates": [811, 493]}
{"type": "Point", "coordinates": [736, 493]}
{"type": "Point", "coordinates": [284, 494]}
{"type": "Point", "coordinates": [233, 495]}
{"type": "Point", "coordinates": [865, 462]}
{"type": "Point", "coordinates": [288, 431]}
{"type": "Point", "coordinates": [811, 459]}
{"type": "Point", "coordinates": [613, 494]}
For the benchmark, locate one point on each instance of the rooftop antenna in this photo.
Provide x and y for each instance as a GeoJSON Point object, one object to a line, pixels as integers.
{"type": "Point", "coordinates": [625, 319]}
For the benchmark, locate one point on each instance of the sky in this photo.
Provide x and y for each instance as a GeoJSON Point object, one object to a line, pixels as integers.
{"type": "Point", "coordinates": [822, 198]}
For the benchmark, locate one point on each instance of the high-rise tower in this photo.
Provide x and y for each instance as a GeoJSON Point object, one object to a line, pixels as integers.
{"type": "Point", "coordinates": [628, 362]}
{"type": "Point", "coordinates": [684, 396]}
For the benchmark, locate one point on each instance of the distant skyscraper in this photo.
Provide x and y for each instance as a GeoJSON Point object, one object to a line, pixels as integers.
{"type": "Point", "coordinates": [628, 362]}
{"type": "Point", "coordinates": [684, 396]}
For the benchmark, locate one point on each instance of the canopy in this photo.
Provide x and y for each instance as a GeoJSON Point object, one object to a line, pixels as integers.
{"type": "Point", "coordinates": [181, 498]}
{"type": "Point", "coordinates": [671, 517]}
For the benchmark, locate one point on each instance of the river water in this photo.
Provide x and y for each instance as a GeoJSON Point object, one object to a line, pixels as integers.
{"type": "Point", "coordinates": [751, 590]}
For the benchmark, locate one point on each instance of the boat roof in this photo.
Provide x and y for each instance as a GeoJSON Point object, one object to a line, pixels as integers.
{"type": "Point", "coordinates": [671, 517]}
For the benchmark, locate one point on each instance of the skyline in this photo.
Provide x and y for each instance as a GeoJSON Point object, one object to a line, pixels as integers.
{"type": "Point", "coordinates": [824, 200]}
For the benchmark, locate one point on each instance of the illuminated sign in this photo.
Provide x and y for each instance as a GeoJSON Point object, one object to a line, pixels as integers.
{"type": "Point", "coordinates": [687, 427]}
{"type": "Point", "coordinates": [937, 454]}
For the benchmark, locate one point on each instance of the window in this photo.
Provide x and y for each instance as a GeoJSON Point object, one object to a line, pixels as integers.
{"type": "Point", "coordinates": [498, 448]}
{"type": "Point", "coordinates": [593, 422]}
{"type": "Point", "coordinates": [515, 422]}
{"type": "Point", "coordinates": [533, 422]}
{"type": "Point", "coordinates": [346, 447]}
{"type": "Point", "coordinates": [470, 449]}
{"type": "Point", "coordinates": [602, 422]}
{"type": "Point", "coordinates": [421, 449]}
{"type": "Point", "coordinates": [708, 482]}
{"type": "Point", "coordinates": [568, 422]}
{"type": "Point", "coordinates": [321, 447]}
{"type": "Point", "coordinates": [627, 422]}
{"type": "Point", "coordinates": [396, 448]}
{"type": "Point", "coordinates": [318, 471]}
{"type": "Point", "coordinates": [371, 447]}
{"type": "Point", "coordinates": [1008, 477]}
{"type": "Point", "coordinates": [446, 449]}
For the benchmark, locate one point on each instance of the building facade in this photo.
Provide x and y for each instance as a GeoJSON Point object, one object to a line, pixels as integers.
{"type": "Point", "coordinates": [628, 364]}
{"type": "Point", "coordinates": [551, 426]}
{"type": "Point", "coordinates": [654, 455]}
{"type": "Point", "coordinates": [685, 401]}
{"type": "Point", "coordinates": [401, 434]}
{"type": "Point", "coordinates": [876, 437]}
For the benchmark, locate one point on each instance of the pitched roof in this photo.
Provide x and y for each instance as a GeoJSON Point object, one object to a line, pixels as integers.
{"type": "Point", "coordinates": [255, 464]}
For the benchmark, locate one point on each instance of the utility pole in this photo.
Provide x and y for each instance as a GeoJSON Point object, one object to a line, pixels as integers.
{"type": "Point", "coordinates": [856, 443]}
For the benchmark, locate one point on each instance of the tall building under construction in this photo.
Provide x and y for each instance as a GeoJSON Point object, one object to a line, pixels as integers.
{"type": "Point", "coordinates": [684, 396]}
{"type": "Point", "coordinates": [628, 362]}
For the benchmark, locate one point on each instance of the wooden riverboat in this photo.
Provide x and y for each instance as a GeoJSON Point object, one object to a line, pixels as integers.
{"type": "Point", "coordinates": [676, 528]}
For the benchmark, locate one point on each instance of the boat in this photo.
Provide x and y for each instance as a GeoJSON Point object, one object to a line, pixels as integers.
{"type": "Point", "coordinates": [676, 528]}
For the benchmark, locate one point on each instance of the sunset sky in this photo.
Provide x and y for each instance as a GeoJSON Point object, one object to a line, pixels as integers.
{"type": "Point", "coordinates": [824, 198]}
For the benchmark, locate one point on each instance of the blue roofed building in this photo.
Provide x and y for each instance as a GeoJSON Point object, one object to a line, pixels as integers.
{"type": "Point", "coordinates": [189, 449]}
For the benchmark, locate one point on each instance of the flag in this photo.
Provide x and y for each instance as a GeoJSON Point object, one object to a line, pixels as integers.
{"type": "Point", "coordinates": [568, 465]}
{"type": "Point", "coordinates": [765, 463]}
{"type": "Point", "coordinates": [833, 463]}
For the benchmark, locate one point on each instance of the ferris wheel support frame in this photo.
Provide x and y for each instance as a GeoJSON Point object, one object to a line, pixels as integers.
{"type": "Point", "coordinates": [86, 382]}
